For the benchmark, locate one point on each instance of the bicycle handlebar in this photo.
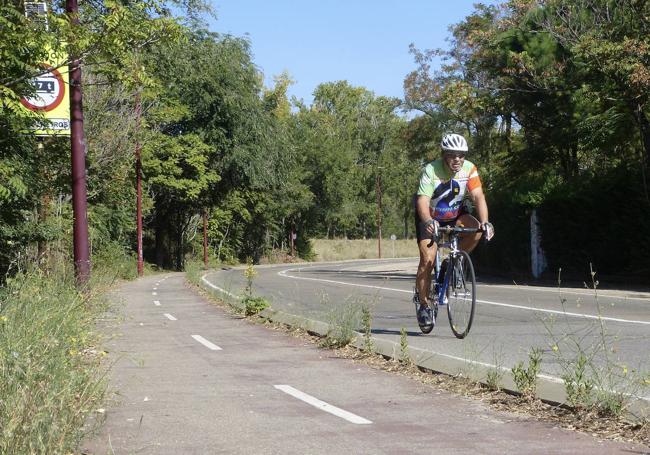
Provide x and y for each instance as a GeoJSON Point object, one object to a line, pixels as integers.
{"type": "Point", "coordinates": [455, 230]}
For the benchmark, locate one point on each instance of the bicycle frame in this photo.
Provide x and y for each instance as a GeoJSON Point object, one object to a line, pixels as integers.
{"type": "Point", "coordinates": [452, 244]}
{"type": "Point", "coordinates": [462, 270]}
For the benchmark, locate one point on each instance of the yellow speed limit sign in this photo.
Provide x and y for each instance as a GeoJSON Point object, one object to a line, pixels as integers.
{"type": "Point", "coordinates": [51, 98]}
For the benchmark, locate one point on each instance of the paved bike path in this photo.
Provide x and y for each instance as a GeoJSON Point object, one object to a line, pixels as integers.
{"type": "Point", "coordinates": [192, 379]}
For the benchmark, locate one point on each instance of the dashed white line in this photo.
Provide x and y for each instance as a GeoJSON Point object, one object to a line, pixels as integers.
{"type": "Point", "coordinates": [323, 406]}
{"type": "Point", "coordinates": [156, 302]}
{"type": "Point", "coordinates": [170, 317]}
{"type": "Point", "coordinates": [154, 293]}
{"type": "Point", "coordinates": [155, 289]}
{"type": "Point", "coordinates": [206, 343]}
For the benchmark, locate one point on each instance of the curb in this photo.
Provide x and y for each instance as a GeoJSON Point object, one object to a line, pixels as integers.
{"type": "Point", "coordinates": [549, 389]}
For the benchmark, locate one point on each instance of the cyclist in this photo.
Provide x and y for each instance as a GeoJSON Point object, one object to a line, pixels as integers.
{"type": "Point", "coordinates": [444, 183]}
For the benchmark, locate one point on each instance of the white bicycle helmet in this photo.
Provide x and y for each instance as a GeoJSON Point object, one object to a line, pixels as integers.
{"type": "Point", "coordinates": [453, 143]}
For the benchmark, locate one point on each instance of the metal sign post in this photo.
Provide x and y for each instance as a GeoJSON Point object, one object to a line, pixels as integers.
{"type": "Point", "coordinates": [78, 145]}
{"type": "Point", "coordinates": [63, 118]}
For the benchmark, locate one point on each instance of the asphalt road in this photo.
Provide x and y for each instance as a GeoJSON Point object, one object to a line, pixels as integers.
{"type": "Point", "coordinates": [190, 379]}
{"type": "Point", "coordinates": [611, 326]}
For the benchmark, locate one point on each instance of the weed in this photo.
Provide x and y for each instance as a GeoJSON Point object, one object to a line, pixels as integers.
{"type": "Point", "coordinates": [253, 305]}
{"type": "Point", "coordinates": [493, 379]}
{"type": "Point", "coordinates": [194, 270]}
{"type": "Point", "coordinates": [343, 320]}
{"type": "Point", "coordinates": [578, 385]}
{"type": "Point", "coordinates": [526, 377]}
{"type": "Point", "coordinates": [404, 356]}
{"type": "Point", "coordinates": [594, 379]}
{"type": "Point", "coordinates": [366, 325]}
{"type": "Point", "coordinates": [495, 375]}
{"type": "Point", "coordinates": [249, 273]}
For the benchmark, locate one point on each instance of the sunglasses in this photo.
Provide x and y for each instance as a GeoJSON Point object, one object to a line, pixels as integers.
{"type": "Point", "coordinates": [455, 155]}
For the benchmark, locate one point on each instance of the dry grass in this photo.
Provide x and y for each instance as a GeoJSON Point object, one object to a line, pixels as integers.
{"type": "Point", "coordinates": [341, 249]}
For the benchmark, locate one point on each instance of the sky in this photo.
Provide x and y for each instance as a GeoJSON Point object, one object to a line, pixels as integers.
{"type": "Point", "coordinates": [365, 42]}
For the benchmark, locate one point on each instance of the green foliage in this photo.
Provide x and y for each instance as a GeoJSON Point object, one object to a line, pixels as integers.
{"type": "Point", "coordinates": [525, 377]}
{"type": "Point", "coordinates": [349, 140]}
{"type": "Point", "coordinates": [177, 168]}
{"type": "Point", "coordinates": [493, 379]}
{"type": "Point", "coordinates": [253, 305]}
{"type": "Point", "coordinates": [114, 261]}
{"type": "Point", "coordinates": [578, 385]}
{"type": "Point", "coordinates": [343, 320]}
{"type": "Point", "coordinates": [305, 248]}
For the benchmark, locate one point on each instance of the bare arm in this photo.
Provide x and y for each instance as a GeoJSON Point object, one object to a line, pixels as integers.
{"type": "Point", "coordinates": [423, 208]}
{"type": "Point", "coordinates": [481, 205]}
{"type": "Point", "coordinates": [425, 214]}
{"type": "Point", "coordinates": [482, 211]}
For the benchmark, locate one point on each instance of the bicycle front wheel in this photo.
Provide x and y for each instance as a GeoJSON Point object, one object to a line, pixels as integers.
{"type": "Point", "coordinates": [461, 293]}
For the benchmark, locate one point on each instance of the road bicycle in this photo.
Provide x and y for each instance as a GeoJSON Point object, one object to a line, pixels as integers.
{"type": "Point", "coordinates": [453, 282]}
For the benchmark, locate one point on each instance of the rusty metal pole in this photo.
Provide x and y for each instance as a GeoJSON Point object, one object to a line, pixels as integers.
{"type": "Point", "coordinates": [138, 181]}
{"type": "Point", "coordinates": [205, 238]}
{"type": "Point", "coordinates": [78, 155]}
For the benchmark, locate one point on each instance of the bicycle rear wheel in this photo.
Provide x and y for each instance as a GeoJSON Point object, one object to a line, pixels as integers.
{"type": "Point", "coordinates": [461, 292]}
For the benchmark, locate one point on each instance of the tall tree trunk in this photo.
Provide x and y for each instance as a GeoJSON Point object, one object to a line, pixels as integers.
{"type": "Point", "coordinates": [179, 242]}
{"type": "Point", "coordinates": [160, 238]}
{"type": "Point", "coordinates": [565, 164]}
{"type": "Point", "coordinates": [573, 160]}
{"type": "Point", "coordinates": [406, 224]}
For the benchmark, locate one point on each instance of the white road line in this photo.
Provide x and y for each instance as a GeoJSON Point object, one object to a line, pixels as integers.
{"type": "Point", "coordinates": [213, 286]}
{"type": "Point", "coordinates": [353, 418]}
{"type": "Point", "coordinates": [206, 343]}
{"type": "Point", "coordinates": [155, 289]}
{"type": "Point", "coordinates": [154, 293]}
{"type": "Point", "coordinates": [586, 292]}
{"type": "Point", "coordinates": [524, 287]}
{"type": "Point", "coordinates": [170, 317]}
{"type": "Point", "coordinates": [564, 313]}
{"type": "Point", "coordinates": [283, 273]}
{"type": "Point", "coordinates": [156, 302]}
